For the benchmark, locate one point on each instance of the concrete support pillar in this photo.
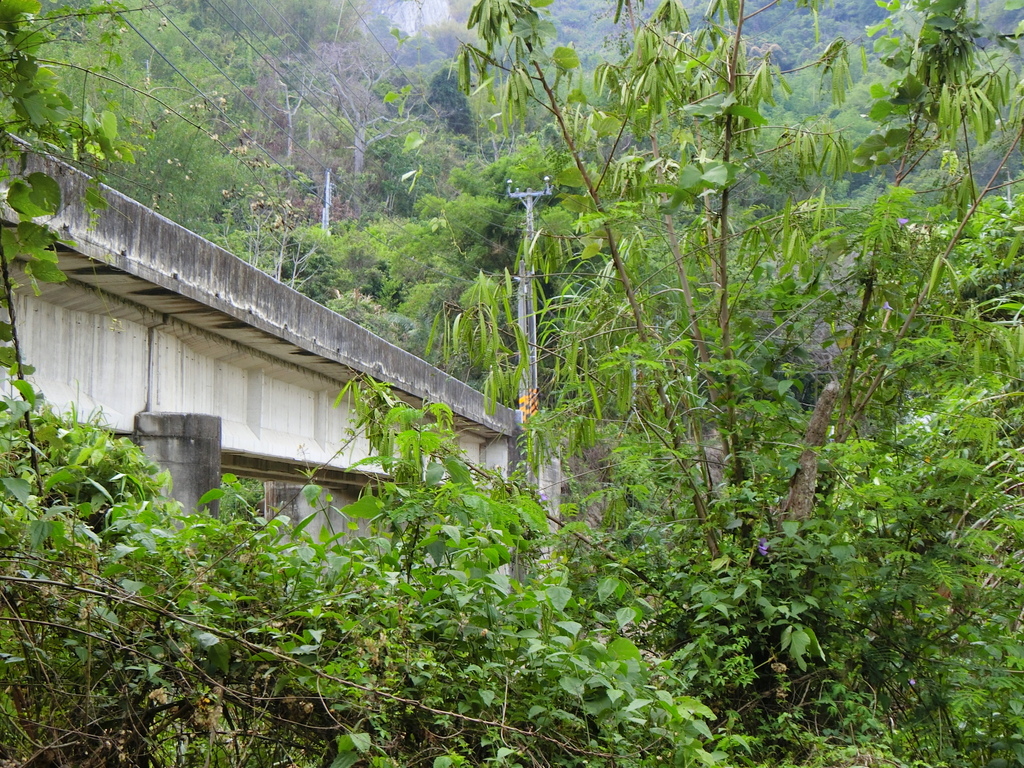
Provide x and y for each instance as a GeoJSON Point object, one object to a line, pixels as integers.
{"type": "Point", "coordinates": [282, 498]}
{"type": "Point", "coordinates": [188, 446]}
{"type": "Point", "coordinates": [549, 484]}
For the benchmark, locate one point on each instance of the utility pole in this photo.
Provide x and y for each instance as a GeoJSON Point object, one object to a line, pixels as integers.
{"type": "Point", "coordinates": [528, 396]}
{"type": "Point", "coordinates": [325, 219]}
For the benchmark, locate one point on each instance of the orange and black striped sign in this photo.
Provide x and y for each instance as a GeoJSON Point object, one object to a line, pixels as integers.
{"type": "Point", "coordinates": [528, 404]}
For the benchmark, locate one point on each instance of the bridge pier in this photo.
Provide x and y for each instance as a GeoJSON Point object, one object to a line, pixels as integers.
{"type": "Point", "coordinates": [188, 445]}
{"type": "Point", "coordinates": [283, 498]}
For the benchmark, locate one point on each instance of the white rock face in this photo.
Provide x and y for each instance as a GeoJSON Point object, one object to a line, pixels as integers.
{"type": "Point", "coordinates": [411, 16]}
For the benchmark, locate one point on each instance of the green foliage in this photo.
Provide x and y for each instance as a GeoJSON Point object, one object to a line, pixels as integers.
{"type": "Point", "coordinates": [37, 115]}
{"type": "Point", "coordinates": [832, 566]}
{"type": "Point", "coordinates": [767, 372]}
{"type": "Point", "coordinates": [142, 635]}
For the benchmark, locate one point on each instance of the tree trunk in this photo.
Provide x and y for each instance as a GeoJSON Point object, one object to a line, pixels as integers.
{"type": "Point", "coordinates": [800, 502]}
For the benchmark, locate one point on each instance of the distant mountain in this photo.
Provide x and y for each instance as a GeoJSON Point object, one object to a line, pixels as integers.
{"type": "Point", "coordinates": [792, 33]}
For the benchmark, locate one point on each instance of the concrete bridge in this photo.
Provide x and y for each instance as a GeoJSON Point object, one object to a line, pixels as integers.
{"type": "Point", "coordinates": [210, 364]}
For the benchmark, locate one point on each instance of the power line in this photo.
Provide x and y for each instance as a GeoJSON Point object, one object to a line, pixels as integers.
{"type": "Point", "coordinates": [315, 54]}
{"type": "Point", "coordinates": [270, 63]}
{"type": "Point", "coordinates": [311, 71]}
{"type": "Point", "coordinates": [209, 100]}
{"type": "Point", "coordinates": [238, 88]}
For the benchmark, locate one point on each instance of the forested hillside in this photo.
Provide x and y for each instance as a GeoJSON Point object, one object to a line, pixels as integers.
{"type": "Point", "coordinates": [779, 351]}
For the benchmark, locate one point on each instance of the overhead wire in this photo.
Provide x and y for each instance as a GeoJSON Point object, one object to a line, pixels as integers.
{"type": "Point", "coordinates": [298, 36]}
{"type": "Point", "coordinates": [238, 88]}
{"type": "Point", "coordinates": [324, 166]}
{"type": "Point", "coordinates": [315, 54]}
{"type": "Point", "coordinates": [316, 107]}
{"type": "Point", "coordinates": [207, 98]}
{"type": "Point", "coordinates": [269, 62]}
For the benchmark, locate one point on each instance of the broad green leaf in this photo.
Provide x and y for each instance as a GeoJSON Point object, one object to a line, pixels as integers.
{"type": "Point", "coordinates": [108, 126]}
{"type": "Point", "coordinates": [434, 474]}
{"type": "Point", "coordinates": [624, 649]}
{"type": "Point", "coordinates": [501, 581]}
{"type": "Point", "coordinates": [607, 588]}
{"type": "Point", "coordinates": [559, 597]}
{"type": "Point", "coordinates": [311, 493]}
{"type": "Point", "coordinates": [570, 177]}
{"type": "Point", "coordinates": [747, 113]}
{"type": "Point", "coordinates": [28, 392]}
{"type": "Point", "coordinates": [592, 249]}
{"type": "Point", "coordinates": [211, 495]}
{"type": "Point", "coordinates": [45, 192]}
{"type": "Point", "coordinates": [572, 685]}
{"type": "Point", "coordinates": [457, 471]}
{"type": "Point", "coordinates": [206, 639]}
{"type": "Point", "coordinates": [719, 174]}
{"type": "Point", "coordinates": [129, 585]}
{"type": "Point", "coordinates": [39, 531]}
{"type": "Point", "coordinates": [565, 58]}
{"type": "Point", "coordinates": [636, 704]}
{"type": "Point", "coordinates": [33, 239]}
{"type": "Point", "coordinates": [219, 656]}
{"type": "Point", "coordinates": [122, 550]}
{"type": "Point", "coordinates": [625, 616]}
{"type": "Point", "coordinates": [572, 627]}
{"type": "Point", "coordinates": [797, 640]}
{"type": "Point", "coordinates": [45, 271]}
{"type": "Point", "coordinates": [16, 487]}
{"type": "Point", "coordinates": [355, 742]}
{"type": "Point", "coordinates": [345, 760]}
{"type": "Point", "coordinates": [413, 142]}
{"type": "Point", "coordinates": [19, 197]}
{"type": "Point", "coordinates": [368, 506]}
{"type": "Point", "coordinates": [14, 10]}
{"type": "Point", "coordinates": [689, 178]}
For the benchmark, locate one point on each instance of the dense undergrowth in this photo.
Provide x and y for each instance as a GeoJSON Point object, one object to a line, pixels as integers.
{"type": "Point", "coordinates": [133, 634]}
{"type": "Point", "coordinates": [886, 633]}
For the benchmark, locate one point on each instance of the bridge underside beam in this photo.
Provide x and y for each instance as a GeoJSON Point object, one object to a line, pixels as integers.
{"type": "Point", "coordinates": [269, 469]}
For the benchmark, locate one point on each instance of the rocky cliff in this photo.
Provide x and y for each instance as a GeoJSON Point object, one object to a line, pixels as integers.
{"type": "Point", "coordinates": [411, 16]}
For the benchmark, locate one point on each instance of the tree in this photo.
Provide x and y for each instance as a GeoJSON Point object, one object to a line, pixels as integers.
{"type": "Point", "coordinates": [450, 103]}
{"type": "Point", "coordinates": [130, 633]}
{"type": "Point", "coordinates": [739, 360]}
{"type": "Point", "coordinates": [356, 70]}
{"type": "Point", "coordinates": [37, 116]}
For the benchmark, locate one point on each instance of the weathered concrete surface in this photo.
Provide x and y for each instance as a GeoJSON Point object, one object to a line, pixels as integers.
{"type": "Point", "coordinates": [188, 446]}
{"type": "Point", "coordinates": [155, 319]}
